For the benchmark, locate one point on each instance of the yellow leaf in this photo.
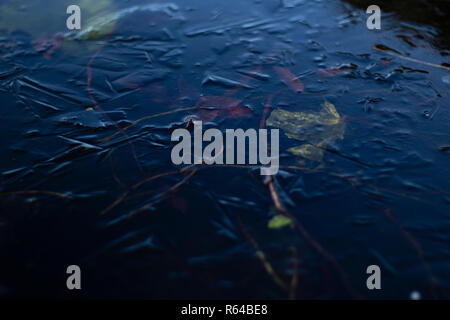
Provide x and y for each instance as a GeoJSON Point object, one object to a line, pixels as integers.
{"type": "Point", "coordinates": [314, 129]}
{"type": "Point", "coordinates": [329, 107]}
{"type": "Point", "coordinates": [307, 151]}
{"type": "Point", "coordinates": [280, 221]}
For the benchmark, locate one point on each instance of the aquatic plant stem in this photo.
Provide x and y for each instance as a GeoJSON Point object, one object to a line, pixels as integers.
{"type": "Point", "coordinates": [261, 256]}
{"type": "Point", "coordinates": [280, 208]}
{"type": "Point", "coordinates": [411, 59]}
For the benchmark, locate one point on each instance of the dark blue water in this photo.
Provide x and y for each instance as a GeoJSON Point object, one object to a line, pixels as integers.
{"type": "Point", "coordinates": [86, 176]}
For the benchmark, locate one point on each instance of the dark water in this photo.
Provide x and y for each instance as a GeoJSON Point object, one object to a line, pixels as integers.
{"type": "Point", "coordinates": [86, 177]}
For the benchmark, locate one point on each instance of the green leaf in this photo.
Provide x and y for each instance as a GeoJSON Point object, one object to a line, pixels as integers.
{"type": "Point", "coordinates": [280, 221]}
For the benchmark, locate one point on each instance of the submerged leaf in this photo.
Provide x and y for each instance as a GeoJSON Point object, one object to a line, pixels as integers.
{"type": "Point", "coordinates": [213, 106]}
{"type": "Point", "coordinates": [291, 80]}
{"type": "Point", "coordinates": [307, 151]}
{"type": "Point", "coordinates": [139, 79]}
{"type": "Point", "coordinates": [280, 221]}
{"type": "Point", "coordinates": [334, 71]}
{"type": "Point", "coordinates": [316, 129]}
{"type": "Point", "coordinates": [331, 109]}
{"type": "Point", "coordinates": [101, 20]}
{"type": "Point", "coordinates": [100, 25]}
